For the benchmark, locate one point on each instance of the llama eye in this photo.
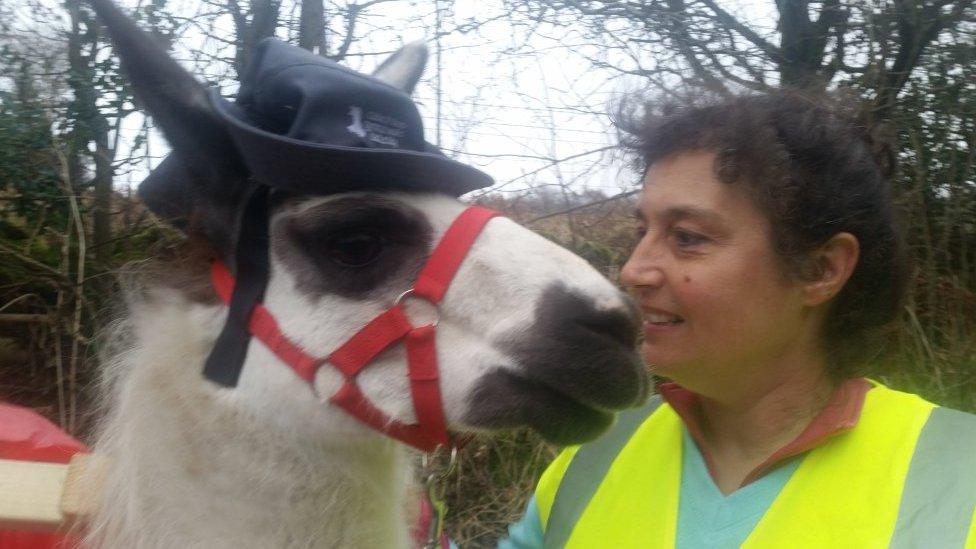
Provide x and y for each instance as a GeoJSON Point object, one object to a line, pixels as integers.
{"type": "Point", "coordinates": [354, 249]}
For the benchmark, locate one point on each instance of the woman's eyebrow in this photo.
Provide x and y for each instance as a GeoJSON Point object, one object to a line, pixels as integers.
{"type": "Point", "coordinates": [693, 212]}
{"type": "Point", "coordinates": [678, 213]}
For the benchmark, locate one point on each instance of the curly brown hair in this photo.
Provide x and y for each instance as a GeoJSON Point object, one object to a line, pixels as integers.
{"type": "Point", "coordinates": [809, 166]}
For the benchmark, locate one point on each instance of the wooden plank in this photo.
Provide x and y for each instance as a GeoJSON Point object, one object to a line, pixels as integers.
{"type": "Point", "coordinates": [48, 497]}
{"type": "Point", "coordinates": [86, 473]}
{"type": "Point", "coordinates": [30, 495]}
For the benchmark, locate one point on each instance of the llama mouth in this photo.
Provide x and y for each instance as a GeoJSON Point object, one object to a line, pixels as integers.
{"type": "Point", "coordinates": [506, 400]}
{"type": "Point", "coordinates": [583, 352]}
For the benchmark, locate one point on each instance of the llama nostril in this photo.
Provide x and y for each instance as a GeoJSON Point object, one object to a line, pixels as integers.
{"type": "Point", "coordinates": [621, 325]}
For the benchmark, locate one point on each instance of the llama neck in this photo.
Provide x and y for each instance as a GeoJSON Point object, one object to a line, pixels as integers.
{"type": "Point", "coordinates": [191, 466]}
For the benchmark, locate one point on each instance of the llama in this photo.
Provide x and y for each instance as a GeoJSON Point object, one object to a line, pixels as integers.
{"type": "Point", "coordinates": [527, 335]}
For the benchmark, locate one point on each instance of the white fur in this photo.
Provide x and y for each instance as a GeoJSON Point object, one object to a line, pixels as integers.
{"type": "Point", "coordinates": [266, 464]}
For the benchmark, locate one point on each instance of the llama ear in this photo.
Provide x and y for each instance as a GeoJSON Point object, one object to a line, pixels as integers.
{"type": "Point", "coordinates": [204, 178]}
{"type": "Point", "coordinates": [403, 69]}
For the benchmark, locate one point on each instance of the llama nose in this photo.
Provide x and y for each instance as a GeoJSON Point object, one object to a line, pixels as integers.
{"type": "Point", "coordinates": [585, 351]}
{"type": "Point", "coordinates": [621, 324]}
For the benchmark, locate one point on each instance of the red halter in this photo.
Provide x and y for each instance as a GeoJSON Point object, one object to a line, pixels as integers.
{"type": "Point", "coordinates": [379, 334]}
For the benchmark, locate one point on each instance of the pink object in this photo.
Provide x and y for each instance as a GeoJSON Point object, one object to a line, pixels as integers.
{"type": "Point", "coordinates": [26, 435]}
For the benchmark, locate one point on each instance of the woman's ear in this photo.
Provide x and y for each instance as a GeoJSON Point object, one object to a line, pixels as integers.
{"type": "Point", "coordinates": [833, 263]}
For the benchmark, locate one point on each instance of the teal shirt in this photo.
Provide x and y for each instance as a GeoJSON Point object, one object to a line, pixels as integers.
{"type": "Point", "coordinates": [706, 517]}
{"type": "Point", "coordinates": [527, 532]}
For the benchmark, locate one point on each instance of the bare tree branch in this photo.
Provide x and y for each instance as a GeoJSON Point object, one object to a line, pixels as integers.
{"type": "Point", "coordinates": [728, 20]}
{"type": "Point", "coordinates": [582, 206]}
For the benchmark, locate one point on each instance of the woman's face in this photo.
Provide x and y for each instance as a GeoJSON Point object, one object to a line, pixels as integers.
{"type": "Point", "coordinates": [718, 306]}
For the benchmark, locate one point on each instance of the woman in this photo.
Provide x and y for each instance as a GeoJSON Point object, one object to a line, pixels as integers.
{"type": "Point", "coordinates": [767, 259]}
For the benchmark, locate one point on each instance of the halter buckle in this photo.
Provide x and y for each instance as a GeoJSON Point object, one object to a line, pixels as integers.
{"type": "Point", "coordinates": [401, 299]}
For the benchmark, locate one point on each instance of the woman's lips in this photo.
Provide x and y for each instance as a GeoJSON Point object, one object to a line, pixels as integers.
{"type": "Point", "coordinates": [661, 318]}
{"type": "Point", "coordinates": [658, 321]}
{"type": "Point", "coordinates": [652, 329]}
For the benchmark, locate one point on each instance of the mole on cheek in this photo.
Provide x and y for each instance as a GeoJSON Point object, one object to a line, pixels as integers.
{"type": "Point", "coordinates": [687, 279]}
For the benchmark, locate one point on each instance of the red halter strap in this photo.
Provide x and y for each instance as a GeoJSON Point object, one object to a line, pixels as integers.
{"type": "Point", "coordinates": [379, 334]}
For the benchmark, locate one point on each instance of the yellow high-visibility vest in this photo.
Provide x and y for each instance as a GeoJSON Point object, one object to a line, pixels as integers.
{"type": "Point", "coordinates": [905, 476]}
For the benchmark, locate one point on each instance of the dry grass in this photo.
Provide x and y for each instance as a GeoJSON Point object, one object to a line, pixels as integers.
{"type": "Point", "coordinates": [491, 486]}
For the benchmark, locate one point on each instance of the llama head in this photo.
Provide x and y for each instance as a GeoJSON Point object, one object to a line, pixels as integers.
{"type": "Point", "coordinates": [527, 333]}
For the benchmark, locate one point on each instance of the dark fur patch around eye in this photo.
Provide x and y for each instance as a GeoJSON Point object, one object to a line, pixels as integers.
{"type": "Point", "coordinates": [301, 240]}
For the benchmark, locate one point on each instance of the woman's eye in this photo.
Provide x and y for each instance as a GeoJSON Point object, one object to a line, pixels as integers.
{"type": "Point", "coordinates": [354, 249]}
{"type": "Point", "coordinates": [687, 239]}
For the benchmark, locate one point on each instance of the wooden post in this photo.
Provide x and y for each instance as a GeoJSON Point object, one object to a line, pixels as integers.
{"type": "Point", "coordinates": [10, 318]}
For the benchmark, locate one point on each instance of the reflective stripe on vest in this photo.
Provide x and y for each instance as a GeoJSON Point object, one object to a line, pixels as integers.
{"type": "Point", "coordinates": [639, 489]}
{"type": "Point", "coordinates": [904, 477]}
{"type": "Point", "coordinates": [939, 500]}
{"type": "Point", "coordinates": [587, 470]}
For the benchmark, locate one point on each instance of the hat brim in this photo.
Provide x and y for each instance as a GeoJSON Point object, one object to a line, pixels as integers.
{"type": "Point", "coordinates": [301, 166]}
{"type": "Point", "coordinates": [167, 191]}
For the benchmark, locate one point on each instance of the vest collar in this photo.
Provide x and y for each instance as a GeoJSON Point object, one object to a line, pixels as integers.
{"type": "Point", "coordinates": [841, 414]}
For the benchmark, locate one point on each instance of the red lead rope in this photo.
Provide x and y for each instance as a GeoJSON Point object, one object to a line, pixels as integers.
{"type": "Point", "coordinates": [379, 334]}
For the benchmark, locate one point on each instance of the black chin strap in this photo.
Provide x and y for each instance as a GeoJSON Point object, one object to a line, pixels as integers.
{"type": "Point", "coordinates": [226, 359]}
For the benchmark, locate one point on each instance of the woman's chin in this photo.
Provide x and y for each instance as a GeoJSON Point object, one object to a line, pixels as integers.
{"type": "Point", "coordinates": [658, 363]}
{"type": "Point", "coordinates": [667, 367]}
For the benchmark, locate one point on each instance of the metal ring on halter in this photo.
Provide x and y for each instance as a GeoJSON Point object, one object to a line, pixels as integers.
{"type": "Point", "coordinates": [452, 463]}
{"type": "Point", "coordinates": [437, 315]}
{"type": "Point", "coordinates": [427, 460]}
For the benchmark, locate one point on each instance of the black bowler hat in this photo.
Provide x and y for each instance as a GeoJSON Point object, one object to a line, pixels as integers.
{"type": "Point", "coordinates": [307, 124]}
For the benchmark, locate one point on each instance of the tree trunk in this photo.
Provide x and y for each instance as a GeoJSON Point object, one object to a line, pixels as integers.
{"type": "Point", "coordinates": [261, 24]}
{"type": "Point", "coordinates": [311, 29]}
{"type": "Point", "coordinates": [89, 125]}
{"type": "Point", "coordinates": [102, 207]}
{"type": "Point", "coordinates": [77, 139]}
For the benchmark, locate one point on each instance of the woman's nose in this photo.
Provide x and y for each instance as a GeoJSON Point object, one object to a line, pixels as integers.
{"type": "Point", "coordinates": [643, 267]}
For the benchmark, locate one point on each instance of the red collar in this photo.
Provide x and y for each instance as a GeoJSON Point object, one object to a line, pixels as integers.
{"type": "Point", "coordinates": [840, 415]}
{"type": "Point", "coordinates": [388, 329]}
